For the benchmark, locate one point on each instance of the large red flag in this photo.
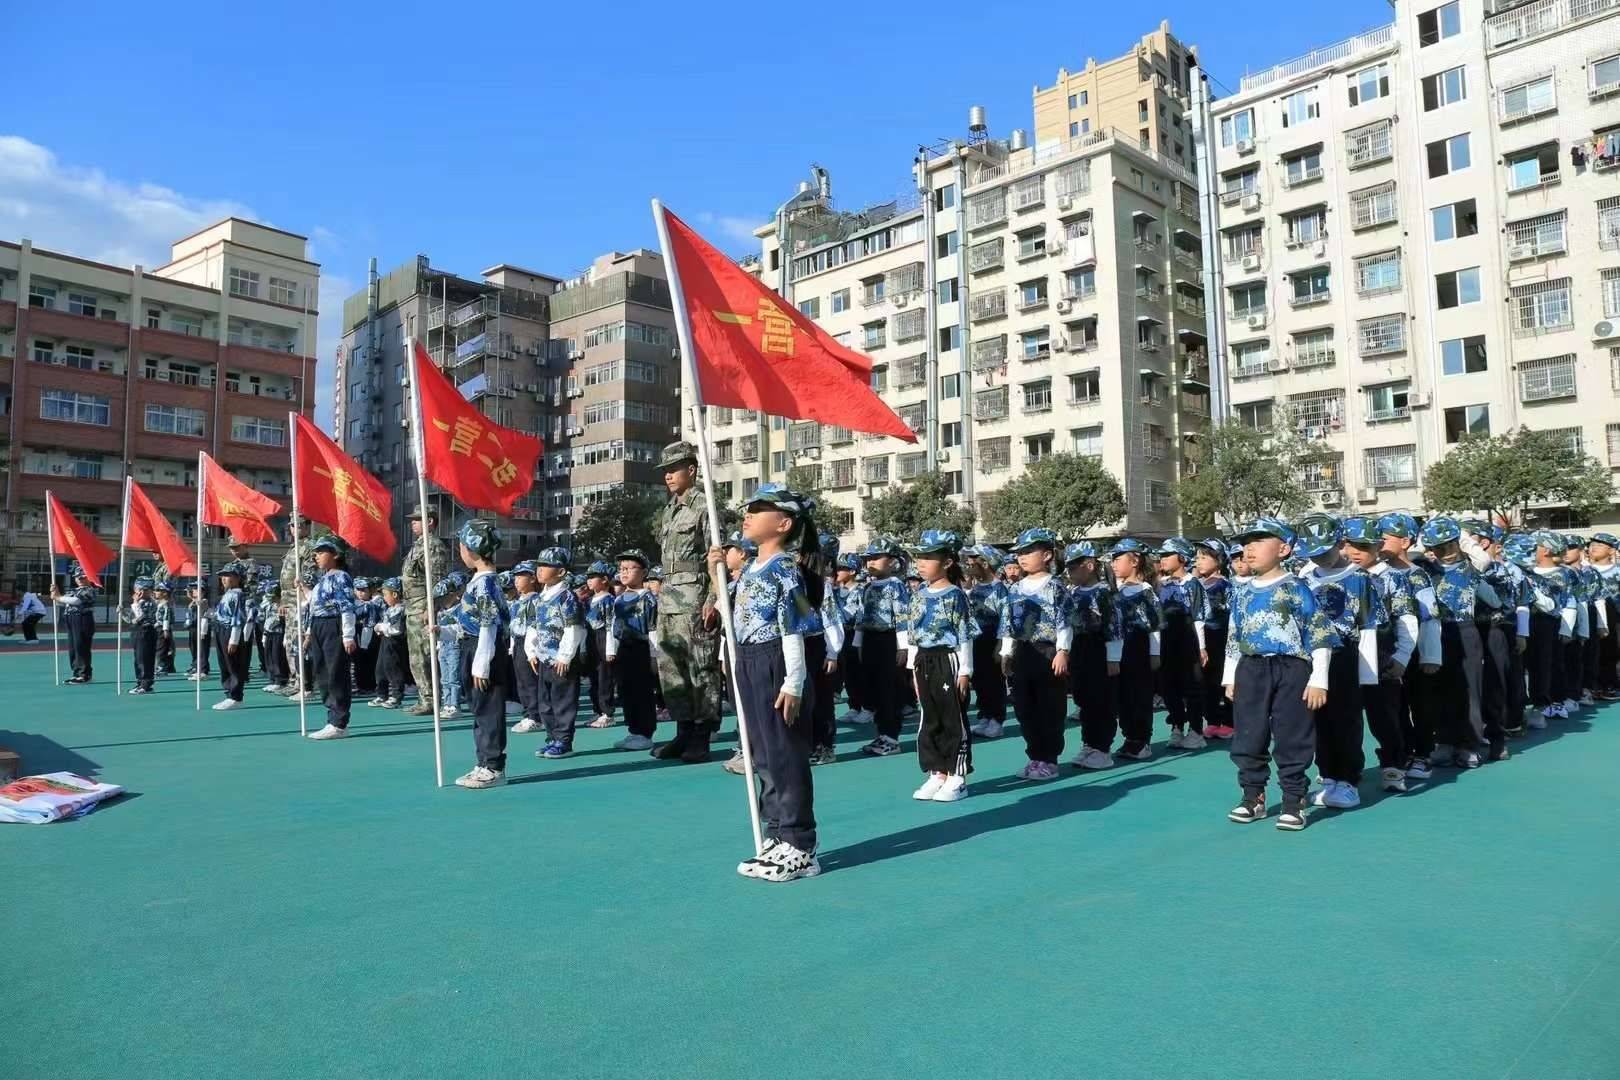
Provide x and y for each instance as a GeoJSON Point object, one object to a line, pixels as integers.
{"type": "Point", "coordinates": [484, 465]}
{"type": "Point", "coordinates": [754, 351]}
{"type": "Point", "coordinates": [146, 529]}
{"type": "Point", "coordinates": [334, 490]}
{"type": "Point", "coordinates": [229, 502]}
{"type": "Point", "coordinates": [70, 536]}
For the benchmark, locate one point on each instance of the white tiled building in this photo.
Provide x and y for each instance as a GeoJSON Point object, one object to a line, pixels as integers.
{"type": "Point", "coordinates": [1419, 232]}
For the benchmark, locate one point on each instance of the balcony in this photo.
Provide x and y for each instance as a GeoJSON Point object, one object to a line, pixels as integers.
{"type": "Point", "coordinates": [1307, 176]}
{"type": "Point", "coordinates": [1305, 359]}
{"type": "Point", "coordinates": [1369, 145]}
{"type": "Point", "coordinates": [991, 405]}
{"type": "Point", "coordinates": [1190, 305]}
{"type": "Point", "coordinates": [987, 257]}
{"type": "Point", "coordinates": [1370, 42]}
{"type": "Point", "coordinates": [989, 355]}
{"type": "Point", "coordinates": [1388, 415]}
{"type": "Point", "coordinates": [1195, 372]}
{"type": "Point", "coordinates": [1537, 239]}
{"type": "Point", "coordinates": [68, 327]}
{"type": "Point", "coordinates": [1152, 293]}
{"type": "Point", "coordinates": [1310, 299]}
{"type": "Point", "coordinates": [1148, 245]}
{"type": "Point", "coordinates": [1189, 259]}
{"type": "Point", "coordinates": [1530, 21]}
{"type": "Point", "coordinates": [986, 307]}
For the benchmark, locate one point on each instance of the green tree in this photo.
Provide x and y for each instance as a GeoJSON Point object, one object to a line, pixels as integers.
{"type": "Point", "coordinates": [620, 520]}
{"type": "Point", "coordinates": [1068, 493]}
{"type": "Point", "coordinates": [924, 503]}
{"type": "Point", "coordinates": [1243, 473]}
{"type": "Point", "coordinates": [806, 480]}
{"type": "Point", "coordinates": [1503, 475]}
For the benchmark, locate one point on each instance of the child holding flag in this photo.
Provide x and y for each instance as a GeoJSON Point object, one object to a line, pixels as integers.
{"type": "Point", "coordinates": [142, 616]}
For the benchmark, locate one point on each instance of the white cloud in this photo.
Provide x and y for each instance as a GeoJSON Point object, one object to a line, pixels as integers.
{"type": "Point", "coordinates": [730, 228]}
{"type": "Point", "coordinates": [83, 211]}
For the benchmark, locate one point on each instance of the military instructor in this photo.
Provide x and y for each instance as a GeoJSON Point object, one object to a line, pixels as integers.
{"type": "Point", "coordinates": [413, 578]}
{"type": "Point", "coordinates": [688, 623]}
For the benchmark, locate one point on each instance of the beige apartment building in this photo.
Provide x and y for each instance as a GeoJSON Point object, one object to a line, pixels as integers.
{"type": "Point", "coordinates": [1146, 92]}
{"type": "Point", "coordinates": [1419, 238]}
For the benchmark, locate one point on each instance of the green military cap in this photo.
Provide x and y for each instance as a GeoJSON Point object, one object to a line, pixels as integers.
{"type": "Point", "coordinates": [677, 454]}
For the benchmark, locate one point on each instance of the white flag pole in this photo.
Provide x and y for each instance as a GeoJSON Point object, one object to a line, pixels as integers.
{"type": "Point", "coordinates": [123, 542]}
{"type": "Point", "coordinates": [204, 645]}
{"type": "Point", "coordinates": [683, 332]}
{"type": "Point", "coordinates": [419, 452]}
{"type": "Point", "coordinates": [50, 563]}
{"type": "Point", "coordinates": [298, 580]}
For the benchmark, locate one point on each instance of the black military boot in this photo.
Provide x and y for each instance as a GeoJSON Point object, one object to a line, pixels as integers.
{"type": "Point", "coordinates": [697, 751]}
{"type": "Point", "coordinates": [676, 747]}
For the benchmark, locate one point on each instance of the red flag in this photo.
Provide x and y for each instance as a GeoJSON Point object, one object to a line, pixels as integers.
{"type": "Point", "coordinates": [754, 351]}
{"type": "Point", "coordinates": [484, 465]}
{"type": "Point", "coordinates": [70, 536]}
{"type": "Point", "coordinates": [229, 502]}
{"type": "Point", "coordinates": [146, 529]}
{"type": "Point", "coordinates": [334, 490]}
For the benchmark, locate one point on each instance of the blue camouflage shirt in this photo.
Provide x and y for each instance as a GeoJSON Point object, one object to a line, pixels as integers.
{"type": "Point", "coordinates": [1038, 611]}
{"type": "Point", "coordinates": [1139, 610]}
{"type": "Point", "coordinates": [596, 614]}
{"type": "Point", "coordinates": [885, 603]}
{"type": "Point", "coordinates": [771, 602]}
{"type": "Point", "coordinates": [1182, 597]}
{"type": "Point", "coordinates": [1278, 618]}
{"type": "Point", "coordinates": [1347, 597]}
{"type": "Point", "coordinates": [1094, 611]}
{"type": "Point", "coordinates": [941, 618]}
{"type": "Point", "coordinates": [550, 616]}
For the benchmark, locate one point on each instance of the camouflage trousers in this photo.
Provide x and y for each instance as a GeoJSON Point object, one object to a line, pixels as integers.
{"type": "Point", "coordinates": [417, 643]}
{"type": "Point", "coordinates": [689, 669]}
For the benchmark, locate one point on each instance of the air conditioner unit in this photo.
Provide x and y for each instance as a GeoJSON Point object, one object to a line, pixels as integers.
{"type": "Point", "coordinates": [1607, 328]}
{"type": "Point", "coordinates": [1417, 401]}
{"type": "Point", "coordinates": [532, 387]}
{"type": "Point", "coordinates": [943, 457]}
{"type": "Point", "coordinates": [1330, 498]}
{"type": "Point", "coordinates": [1055, 248]}
{"type": "Point", "coordinates": [1065, 306]}
{"type": "Point", "coordinates": [902, 299]}
{"type": "Point", "coordinates": [1320, 249]}
{"type": "Point", "coordinates": [1245, 146]}
{"type": "Point", "coordinates": [556, 399]}
{"type": "Point", "coordinates": [1521, 251]}
{"type": "Point", "coordinates": [1251, 202]}
{"type": "Point", "coordinates": [1257, 322]}
{"type": "Point", "coordinates": [864, 491]}
{"type": "Point", "coordinates": [1251, 262]}
{"type": "Point", "coordinates": [1367, 495]}
{"type": "Point", "coordinates": [1064, 202]}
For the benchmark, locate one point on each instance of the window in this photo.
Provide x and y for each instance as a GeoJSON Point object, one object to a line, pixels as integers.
{"type": "Point", "coordinates": [1085, 97]}
{"type": "Point", "coordinates": [987, 209]}
{"type": "Point", "coordinates": [175, 420]}
{"type": "Point", "coordinates": [1457, 287]}
{"type": "Point", "coordinates": [1373, 206]}
{"type": "Point", "coordinates": [1032, 243]}
{"type": "Point", "coordinates": [779, 462]}
{"type": "Point", "coordinates": [82, 304]}
{"type": "Point", "coordinates": [1235, 185]}
{"type": "Point", "coordinates": [1369, 84]}
{"type": "Point", "coordinates": [256, 430]}
{"type": "Point", "coordinates": [1603, 76]}
{"type": "Point", "coordinates": [1467, 420]}
{"type": "Point", "coordinates": [244, 282]}
{"type": "Point", "coordinates": [1036, 344]}
{"type": "Point", "coordinates": [950, 386]}
{"type": "Point", "coordinates": [1080, 284]}
{"type": "Point", "coordinates": [949, 291]}
{"type": "Point", "coordinates": [1037, 447]}
{"type": "Point", "coordinates": [1322, 475]}
{"type": "Point", "coordinates": [1150, 388]}
{"type": "Point", "coordinates": [811, 308]}
{"type": "Point", "coordinates": [872, 291]}
{"type": "Point", "coordinates": [1370, 144]}
{"type": "Point", "coordinates": [1547, 379]}
{"type": "Point", "coordinates": [1534, 237]}
{"type": "Point", "coordinates": [1446, 88]}
{"type": "Point", "coordinates": [1256, 414]}
{"type": "Point", "coordinates": [1463, 356]}
{"type": "Point", "coordinates": [1239, 127]}
{"type": "Point", "coordinates": [950, 435]}
{"type": "Point", "coordinates": [1454, 220]}
{"type": "Point", "coordinates": [1528, 99]}
{"type": "Point", "coordinates": [990, 404]}
{"type": "Point", "coordinates": [910, 325]}
{"type": "Point", "coordinates": [1029, 192]}
{"type": "Point", "coordinates": [1437, 24]}
{"type": "Point", "coordinates": [1241, 243]}
{"type": "Point", "coordinates": [945, 197]}
{"type": "Point", "coordinates": [75, 408]}
{"type": "Point", "coordinates": [1087, 441]}
{"type": "Point", "coordinates": [1388, 402]}
{"type": "Point", "coordinates": [283, 291]}
{"type": "Point", "coordinates": [1303, 167]}
{"type": "Point", "coordinates": [1031, 294]}
{"type": "Point", "coordinates": [1310, 286]}
{"type": "Point", "coordinates": [1542, 307]}
{"type": "Point", "coordinates": [1532, 168]}
{"type": "Point", "coordinates": [1248, 300]}
{"type": "Point", "coordinates": [1448, 155]}
{"type": "Point", "coordinates": [840, 301]}
{"type": "Point", "coordinates": [945, 245]}
{"type": "Point", "coordinates": [950, 337]}
{"type": "Point", "coordinates": [843, 473]}
{"type": "Point", "coordinates": [874, 335]}
{"type": "Point", "coordinates": [1085, 387]}
{"type": "Point", "coordinates": [82, 357]}
{"type": "Point", "coordinates": [1250, 358]}
{"type": "Point", "coordinates": [1610, 285]}
{"type": "Point", "coordinates": [1299, 107]}
{"type": "Point", "coordinates": [1390, 466]}
{"type": "Point", "coordinates": [1155, 496]}
{"type": "Point", "coordinates": [1612, 437]}
{"type": "Point", "coordinates": [995, 454]}
{"type": "Point", "coordinates": [1378, 274]}
{"type": "Point", "coordinates": [41, 296]}
{"type": "Point", "coordinates": [1317, 414]}
{"type": "Point", "coordinates": [1313, 348]}
{"type": "Point", "coordinates": [986, 256]}
{"type": "Point", "coordinates": [880, 378]}
{"type": "Point", "coordinates": [1074, 129]}
{"type": "Point", "coordinates": [1038, 396]}
{"type": "Point", "coordinates": [1307, 226]}
{"type": "Point", "coordinates": [1573, 439]}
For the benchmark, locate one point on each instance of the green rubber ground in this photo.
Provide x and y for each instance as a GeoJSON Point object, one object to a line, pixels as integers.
{"type": "Point", "coordinates": [261, 906]}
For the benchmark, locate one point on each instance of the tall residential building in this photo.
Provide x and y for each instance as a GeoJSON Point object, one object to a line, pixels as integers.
{"type": "Point", "coordinates": [1145, 93]}
{"type": "Point", "coordinates": [1024, 301]}
{"type": "Point", "coordinates": [1419, 233]}
{"type": "Point", "coordinates": [107, 371]}
{"type": "Point", "coordinates": [583, 363]}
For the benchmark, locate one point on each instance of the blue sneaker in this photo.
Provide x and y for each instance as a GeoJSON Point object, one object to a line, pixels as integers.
{"type": "Point", "coordinates": [554, 749]}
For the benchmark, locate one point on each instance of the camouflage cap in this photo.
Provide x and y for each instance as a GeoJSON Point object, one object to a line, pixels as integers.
{"type": "Point", "coordinates": [937, 542]}
{"type": "Point", "coordinates": [1083, 549]}
{"type": "Point", "coordinates": [331, 542]}
{"type": "Point", "coordinates": [556, 557]}
{"type": "Point", "coordinates": [392, 585]}
{"type": "Point", "coordinates": [480, 537]}
{"type": "Point", "coordinates": [524, 567]}
{"type": "Point", "coordinates": [635, 555]}
{"type": "Point", "coordinates": [599, 568]}
{"type": "Point", "coordinates": [655, 573]}
{"type": "Point", "coordinates": [143, 583]}
{"type": "Point", "coordinates": [1177, 545]}
{"type": "Point", "coordinates": [677, 454]}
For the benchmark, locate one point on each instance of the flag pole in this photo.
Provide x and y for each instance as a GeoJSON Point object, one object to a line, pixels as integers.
{"type": "Point", "coordinates": [123, 540]}
{"type": "Point", "coordinates": [683, 333]}
{"type": "Point", "coordinates": [419, 452]}
{"type": "Point", "coordinates": [298, 577]}
{"type": "Point", "coordinates": [203, 644]}
{"type": "Point", "coordinates": [50, 562]}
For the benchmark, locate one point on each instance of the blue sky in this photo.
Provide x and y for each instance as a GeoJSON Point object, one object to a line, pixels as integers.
{"type": "Point", "coordinates": [525, 133]}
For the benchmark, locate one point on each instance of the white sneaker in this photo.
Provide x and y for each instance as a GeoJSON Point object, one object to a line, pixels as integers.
{"type": "Point", "coordinates": [1193, 741]}
{"type": "Point", "coordinates": [227, 705]}
{"type": "Point", "coordinates": [447, 713]}
{"type": "Point", "coordinates": [1571, 705]}
{"type": "Point", "coordinates": [853, 716]}
{"type": "Point", "coordinates": [987, 729]}
{"type": "Point", "coordinates": [330, 732]}
{"type": "Point", "coordinates": [1092, 758]}
{"type": "Point", "coordinates": [196, 676]}
{"type": "Point", "coordinates": [1538, 720]}
{"type": "Point", "coordinates": [752, 867]}
{"type": "Point", "coordinates": [524, 726]}
{"type": "Point", "coordinates": [954, 788]}
{"type": "Point", "coordinates": [634, 742]}
{"type": "Point", "coordinates": [930, 788]}
{"type": "Point", "coordinates": [273, 688]}
{"type": "Point", "coordinates": [1342, 796]}
{"type": "Point", "coordinates": [784, 862]}
{"type": "Point", "coordinates": [308, 697]}
{"type": "Point", "coordinates": [481, 777]}
{"type": "Point", "coordinates": [1392, 779]}
{"type": "Point", "coordinates": [1587, 698]}
{"type": "Point", "coordinates": [1144, 754]}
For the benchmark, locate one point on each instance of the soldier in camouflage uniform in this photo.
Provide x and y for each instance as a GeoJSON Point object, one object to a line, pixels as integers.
{"type": "Point", "coordinates": [688, 624]}
{"type": "Point", "coordinates": [418, 636]}
{"type": "Point", "coordinates": [300, 556]}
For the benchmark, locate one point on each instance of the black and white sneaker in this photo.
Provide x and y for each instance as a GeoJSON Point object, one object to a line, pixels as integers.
{"type": "Point", "coordinates": [1292, 818]}
{"type": "Point", "coordinates": [882, 746]}
{"type": "Point", "coordinates": [754, 867]}
{"type": "Point", "coordinates": [784, 862]}
{"type": "Point", "coordinates": [1252, 808]}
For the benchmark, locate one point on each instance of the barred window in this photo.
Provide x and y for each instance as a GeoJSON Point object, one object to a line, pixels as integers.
{"type": "Point", "coordinates": [1542, 307]}
{"type": "Point", "coordinates": [1547, 379]}
{"type": "Point", "coordinates": [1390, 466]}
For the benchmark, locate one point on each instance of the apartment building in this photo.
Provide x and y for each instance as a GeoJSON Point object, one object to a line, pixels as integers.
{"type": "Point", "coordinates": [1410, 228]}
{"type": "Point", "coordinates": [1145, 91]}
{"type": "Point", "coordinates": [108, 371]}
{"type": "Point", "coordinates": [584, 363]}
{"type": "Point", "coordinates": [1028, 300]}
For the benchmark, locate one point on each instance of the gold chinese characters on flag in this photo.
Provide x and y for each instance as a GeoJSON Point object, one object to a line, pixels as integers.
{"type": "Point", "coordinates": [484, 465]}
